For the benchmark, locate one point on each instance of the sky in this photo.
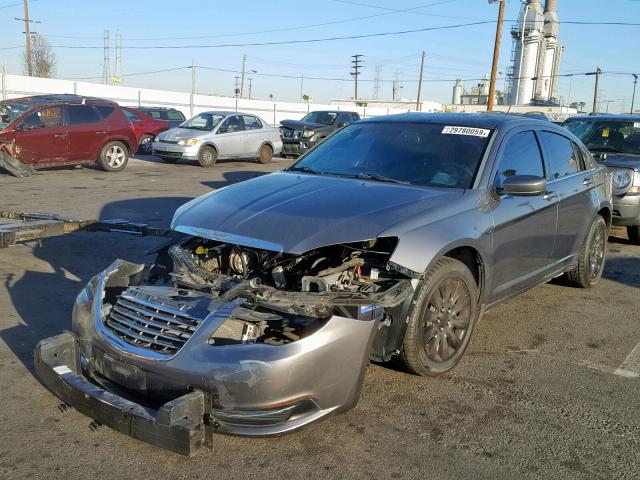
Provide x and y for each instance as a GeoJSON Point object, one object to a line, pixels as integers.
{"type": "Point", "coordinates": [451, 53]}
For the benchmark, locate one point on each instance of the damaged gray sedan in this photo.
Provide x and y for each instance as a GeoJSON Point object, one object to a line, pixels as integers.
{"type": "Point", "coordinates": [389, 239]}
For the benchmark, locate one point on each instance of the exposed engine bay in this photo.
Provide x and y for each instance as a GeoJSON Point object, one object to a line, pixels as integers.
{"type": "Point", "coordinates": [283, 297]}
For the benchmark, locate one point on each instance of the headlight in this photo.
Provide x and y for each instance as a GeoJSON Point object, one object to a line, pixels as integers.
{"type": "Point", "coordinates": [621, 179]}
{"type": "Point", "coordinates": [190, 141]}
{"type": "Point", "coordinates": [308, 133]}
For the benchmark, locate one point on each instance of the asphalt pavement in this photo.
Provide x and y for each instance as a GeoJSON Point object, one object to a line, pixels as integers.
{"type": "Point", "coordinates": [549, 387]}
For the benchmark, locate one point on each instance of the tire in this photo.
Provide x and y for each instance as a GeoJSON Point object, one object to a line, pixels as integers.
{"type": "Point", "coordinates": [440, 324]}
{"type": "Point", "coordinates": [145, 146]}
{"type": "Point", "coordinates": [114, 157]}
{"type": "Point", "coordinates": [266, 154]}
{"type": "Point", "coordinates": [207, 157]}
{"type": "Point", "coordinates": [633, 232]}
{"type": "Point", "coordinates": [170, 159]}
{"type": "Point", "coordinates": [588, 272]}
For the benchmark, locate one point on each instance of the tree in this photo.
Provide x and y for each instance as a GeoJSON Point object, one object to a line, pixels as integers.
{"type": "Point", "coordinates": [43, 58]}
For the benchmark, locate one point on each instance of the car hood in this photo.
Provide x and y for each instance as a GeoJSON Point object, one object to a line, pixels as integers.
{"type": "Point", "coordinates": [621, 160]}
{"type": "Point", "coordinates": [300, 125]}
{"type": "Point", "coordinates": [294, 213]}
{"type": "Point", "coordinates": [182, 133]}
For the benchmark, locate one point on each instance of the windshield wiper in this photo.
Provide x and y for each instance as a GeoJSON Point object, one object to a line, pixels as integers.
{"type": "Point", "coordinates": [379, 178]}
{"type": "Point", "coordinates": [305, 170]}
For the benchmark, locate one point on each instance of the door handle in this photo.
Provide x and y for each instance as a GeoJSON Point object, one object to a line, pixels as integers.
{"type": "Point", "coordinates": [588, 181]}
{"type": "Point", "coordinates": [101, 132]}
{"type": "Point", "coordinates": [551, 195]}
{"type": "Point", "coordinates": [59, 135]}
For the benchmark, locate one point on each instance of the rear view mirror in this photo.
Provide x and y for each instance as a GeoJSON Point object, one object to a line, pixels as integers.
{"type": "Point", "coordinates": [524, 185]}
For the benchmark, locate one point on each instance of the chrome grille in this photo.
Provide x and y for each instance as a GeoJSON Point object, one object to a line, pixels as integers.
{"type": "Point", "coordinates": [154, 326]}
{"type": "Point", "coordinates": [293, 134]}
{"type": "Point", "coordinates": [172, 142]}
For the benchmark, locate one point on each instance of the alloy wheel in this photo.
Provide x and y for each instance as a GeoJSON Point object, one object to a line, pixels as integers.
{"type": "Point", "coordinates": [146, 145]}
{"type": "Point", "coordinates": [446, 319]}
{"type": "Point", "coordinates": [597, 251]}
{"type": "Point", "coordinates": [115, 156]}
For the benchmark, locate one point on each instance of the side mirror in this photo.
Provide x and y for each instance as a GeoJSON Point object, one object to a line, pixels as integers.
{"type": "Point", "coordinates": [223, 129]}
{"type": "Point", "coordinates": [20, 127]}
{"type": "Point", "coordinates": [343, 124]}
{"type": "Point", "coordinates": [524, 186]}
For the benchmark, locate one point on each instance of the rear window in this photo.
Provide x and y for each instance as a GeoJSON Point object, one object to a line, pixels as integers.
{"type": "Point", "coordinates": [153, 113]}
{"type": "Point", "coordinates": [81, 115]}
{"type": "Point", "coordinates": [251, 123]}
{"type": "Point", "coordinates": [131, 116]}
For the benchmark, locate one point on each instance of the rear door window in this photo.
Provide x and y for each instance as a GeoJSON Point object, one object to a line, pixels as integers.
{"type": "Point", "coordinates": [105, 110]}
{"type": "Point", "coordinates": [131, 116]}
{"type": "Point", "coordinates": [82, 115]}
{"type": "Point", "coordinates": [173, 115]}
{"type": "Point", "coordinates": [251, 123]}
{"type": "Point", "coordinates": [520, 156]}
{"type": "Point", "coordinates": [232, 124]}
{"type": "Point", "coordinates": [562, 158]}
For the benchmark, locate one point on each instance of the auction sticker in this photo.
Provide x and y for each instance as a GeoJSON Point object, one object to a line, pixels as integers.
{"type": "Point", "coordinates": [475, 132]}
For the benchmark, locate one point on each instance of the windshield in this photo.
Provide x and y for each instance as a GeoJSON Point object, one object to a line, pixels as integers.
{"type": "Point", "coordinates": [325, 118]}
{"type": "Point", "coordinates": [10, 111]}
{"type": "Point", "coordinates": [432, 155]}
{"type": "Point", "coordinates": [204, 121]}
{"type": "Point", "coordinates": [613, 136]}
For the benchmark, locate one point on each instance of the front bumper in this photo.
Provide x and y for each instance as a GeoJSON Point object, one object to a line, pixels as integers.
{"type": "Point", "coordinates": [295, 148]}
{"type": "Point", "coordinates": [247, 389]}
{"type": "Point", "coordinates": [626, 210]}
{"type": "Point", "coordinates": [178, 425]}
{"type": "Point", "coordinates": [171, 150]}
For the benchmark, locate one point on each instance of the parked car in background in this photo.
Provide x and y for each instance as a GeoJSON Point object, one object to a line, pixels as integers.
{"type": "Point", "coordinates": [389, 239]}
{"type": "Point", "coordinates": [171, 115]}
{"type": "Point", "coordinates": [614, 140]}
{"type": "Point", "coordinates": [298, 136]}
{"type": "Point", "coordinates": [210, 136]}
{"type": "Point", "coordinates": [146, 128]}
{"type": "Point", "coordinates": [52, 130]}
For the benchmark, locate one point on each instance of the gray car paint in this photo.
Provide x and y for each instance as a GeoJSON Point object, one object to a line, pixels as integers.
{"type": "Point", "coordinates": [515, 240]}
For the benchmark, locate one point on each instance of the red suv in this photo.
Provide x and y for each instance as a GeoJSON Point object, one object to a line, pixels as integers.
{"type": "Point", "coordinates": [146, 128]}
{"type": "Point", "coordinates": [52, 130]}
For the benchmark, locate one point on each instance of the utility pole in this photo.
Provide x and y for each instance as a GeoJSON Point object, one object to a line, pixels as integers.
{"type": "Point", "coordinates": [496, 55]}
{"type": "Point", "coordinates": [244, 61]}
{"type": "Point", "coordinates": [250, 79]}
{"type": "Point", "coordinates": [395, 88]}
{"type": "Point", "coordinates": [301, 86]}
{"type": "Point", "coordinates": [633, 97]}
{"type": "Point", "coordinates": [27, 34]}
{"type": "Point", "coordinates": [418, 108]}
{"type": "Point", "coordinates": [356, 65]}
{"type": "Point", "coordinates": [376, 82]}
{"type": "Point", "coordinates": [106, 69]}
{"type": "Point", "coordinates": [597, 73]}
{"type": "Point", "coordinates": [193, 77]}
{"type": "Point", "coordinates": [117, 75]}
{"type": "Point", "coordinates": [236, 90]}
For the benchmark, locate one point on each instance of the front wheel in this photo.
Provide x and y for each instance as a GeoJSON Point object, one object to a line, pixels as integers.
{"type": "Point", "coordinates": [443, 317]}
{"type": "Point", "coordinates": [634, 234]}
{"type": "Point", "coordinates": [588, 272]}
{"type": "Point", "coordinates": [207, 157]}
{"type": "Point", "coordinates": [114, 157]}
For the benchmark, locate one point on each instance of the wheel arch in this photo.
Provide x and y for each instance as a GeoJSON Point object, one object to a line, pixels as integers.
{"type": "Point", "coordinates": [472, 258]}
{"type": "Point", "coordinates": [605, 212]}
{"type": "Point", "coordinates": [122, 140]}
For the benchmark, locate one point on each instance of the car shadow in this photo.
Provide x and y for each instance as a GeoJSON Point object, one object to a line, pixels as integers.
{"type": "Point", "coordinates": [233, 177]}
{"type": "Point", "coordinates": [623, 270]}
{"type": "Point", "coordinates": [43, 298]}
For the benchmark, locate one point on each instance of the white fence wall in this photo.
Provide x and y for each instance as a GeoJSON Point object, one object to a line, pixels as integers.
{"type": "Point", "coordinates": [14, 86]}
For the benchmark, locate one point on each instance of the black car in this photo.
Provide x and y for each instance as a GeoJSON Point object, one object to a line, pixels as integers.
{"type": "Point", "coordinates": [298, 136]}
{"type": "Point", "coordinates": [173, 116]}
{"type": "Point", "coordinates": [614, 140]}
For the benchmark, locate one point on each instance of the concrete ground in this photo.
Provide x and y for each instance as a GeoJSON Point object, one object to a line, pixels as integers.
{"type": "Point", "coordinates": [546, 389]}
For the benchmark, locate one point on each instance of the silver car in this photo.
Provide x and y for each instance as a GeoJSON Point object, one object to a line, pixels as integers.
{"type": "Point", "coordinates": [210, 136]}
{"type": "Point", "coordinates": [389, 239]}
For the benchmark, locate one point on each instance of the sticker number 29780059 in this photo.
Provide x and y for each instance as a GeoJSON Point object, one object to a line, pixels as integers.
{"type": "Point", "coordinates": [476, 132]}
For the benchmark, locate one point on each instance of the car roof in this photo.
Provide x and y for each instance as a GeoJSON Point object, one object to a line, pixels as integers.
{"type": "Point", "coordinates": [477, 120]}
{"type": "Point", "coordinates": [333, 111]}
{"type": "Point", "coordinates": [609, 117]}
{"type": "Point", "coordinates": [155, 108]}
{"type": "Point", "coordinates": [40, 100]}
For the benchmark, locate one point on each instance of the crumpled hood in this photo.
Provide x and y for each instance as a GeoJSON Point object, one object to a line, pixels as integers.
{"type": "Point", "coordinates": [182, 133]}
{"type": "Point", "coordinates": [295, 213]}
{"type": "Point", "coordinates": [300, 125]}
{"type": "Point", "coordinates": [621, 160]}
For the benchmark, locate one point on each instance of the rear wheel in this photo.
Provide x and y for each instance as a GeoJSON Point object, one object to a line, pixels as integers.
{"type": "Point", "coordinates": [634, 234]}
{"type": "Point", "coordinates": [114, 157]}
{"type": "Point", "coordinates": [442, 319]}
{"type": "Point", "coordinates": [588, 272]}
{"type": "Point", "coordinates": [207, 157]}
{"type": "Point", "coordinates": [145, 146]}
{"type": "Point", "coordinates": [266, 154]}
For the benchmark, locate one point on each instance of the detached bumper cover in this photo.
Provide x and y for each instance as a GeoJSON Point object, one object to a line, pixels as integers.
{"type": "Point", "coordinates": [177, 426]}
